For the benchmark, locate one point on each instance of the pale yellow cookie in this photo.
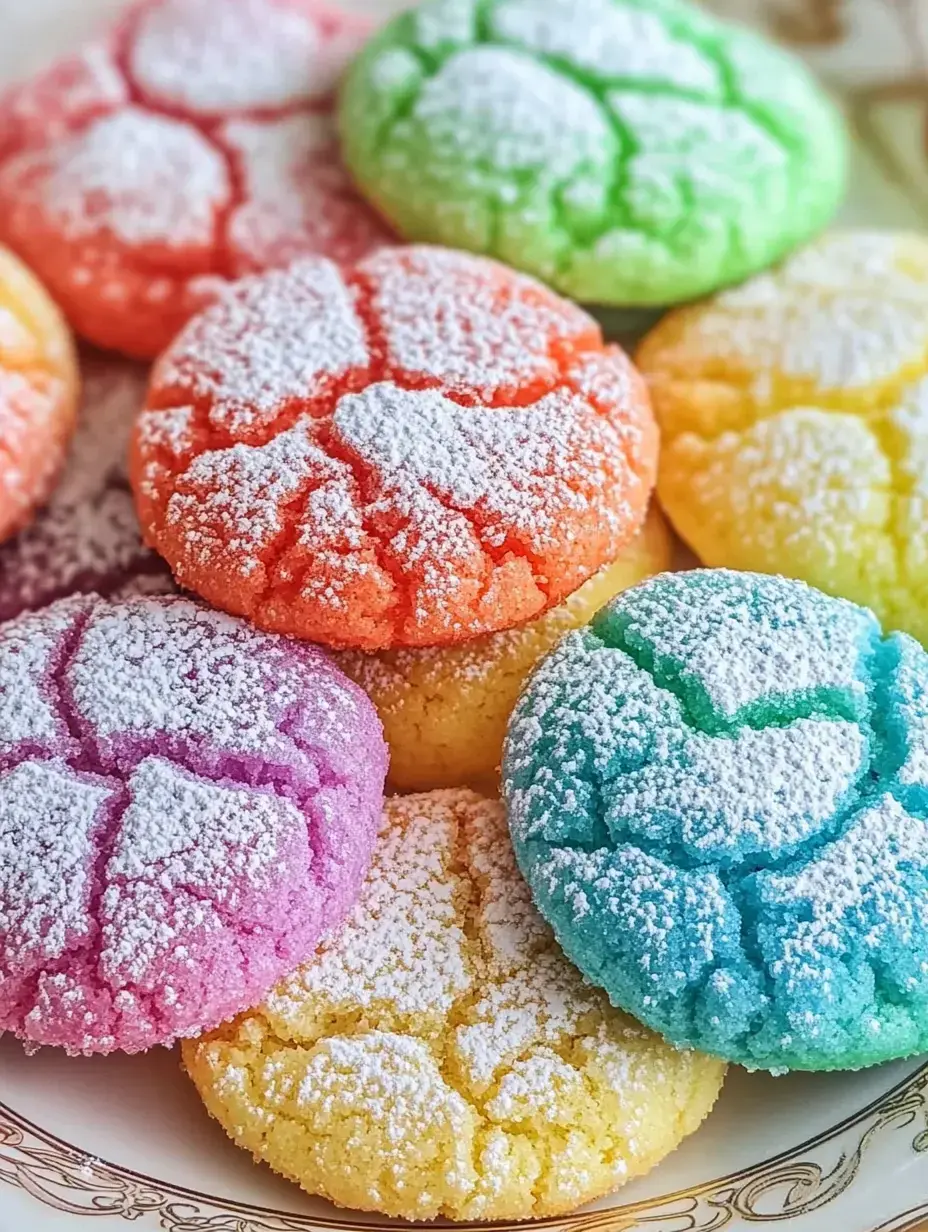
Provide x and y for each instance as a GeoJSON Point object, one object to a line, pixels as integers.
{"type": "Point", "coordinates": [794, 422]}
{"type": "Point", "coordinates": [445, 710]}
{"type": "Point", "coordinates": [440, 1056]}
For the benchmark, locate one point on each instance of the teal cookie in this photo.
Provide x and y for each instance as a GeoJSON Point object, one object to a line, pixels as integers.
{"type": "Point", "coordinates": [718, 794]}
{"type": "Point", "coordinates": [629, 152]}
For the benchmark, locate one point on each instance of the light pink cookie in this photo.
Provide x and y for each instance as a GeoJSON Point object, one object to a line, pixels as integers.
{"type": "Point", "coordinates": [186, 805]}
{"type": "Point", "coordinates": [87, 537]}
{"type": "Point", "coordinates": [192, 144]}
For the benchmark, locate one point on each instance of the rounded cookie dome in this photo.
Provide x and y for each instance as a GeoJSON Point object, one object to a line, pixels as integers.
{"type": "Point", "coordinates": [628, 152]}
{"type": "Point", "coordinates": [186, 805]}
{"type": "Point", "coordinates": [189, 145]}
{"type": "Point", "coordinates": [412, 451]}
{"type": "Point", "coordinates": [718, 793]}
{"type": "Point", "coordinates": [794, 418]}
{"type": "Point", "coordinates": [439, 1056]}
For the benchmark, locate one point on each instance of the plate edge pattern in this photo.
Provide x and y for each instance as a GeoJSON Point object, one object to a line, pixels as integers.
{"type": "Point", "coordinates": [785, 1187]}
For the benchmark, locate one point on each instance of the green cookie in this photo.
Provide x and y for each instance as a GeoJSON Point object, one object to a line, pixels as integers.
{"type": "Point", "coordinates": [628, 152]}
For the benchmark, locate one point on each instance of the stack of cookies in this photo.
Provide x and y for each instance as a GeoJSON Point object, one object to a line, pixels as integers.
{"type": "Point", "coordinates": [380, 518]}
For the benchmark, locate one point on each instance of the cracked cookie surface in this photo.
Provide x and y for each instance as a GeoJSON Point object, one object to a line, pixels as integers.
{"type": "Point", "coordinates": [794, 418]}
{"type": "Point", "coordinates": [187, 805]}
{"type": "Point", "coordinates": [413, 451]}
{"type": "Point", "coordinates": [87, 537]}
{"type": "Point", "coordinates": [718, 792]}
{"type": "Point", "coordinates": [439, 1056]}
{"type": "Point", "coordinates": [445, 709]}
{"type": "Point", "coordinates": [192, 145]}
{"type": "Point", "coordinates": [624, 151]}
{"type": "Point", "coordinates": [39, 384]}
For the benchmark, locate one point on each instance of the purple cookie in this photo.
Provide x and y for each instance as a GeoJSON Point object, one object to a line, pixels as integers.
{"type": "Point", "coordinates": [87, 537]}
{"type": "Point", "coordinates": [186, 805]}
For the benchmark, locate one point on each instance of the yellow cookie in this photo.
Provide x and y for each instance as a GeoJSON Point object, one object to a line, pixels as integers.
{"type": "Point", "coordinates": [38, 393]}
{"type": "Point", "coordinates": [445, 710]}
{"type": "Point", "coordinates": [440, 1056]}
{"type": "Point", "coordinates": [794, 417]}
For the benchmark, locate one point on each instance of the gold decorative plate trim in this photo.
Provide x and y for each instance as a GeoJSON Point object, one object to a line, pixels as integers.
{"type": "Point", "coordinates": [782, 1188]}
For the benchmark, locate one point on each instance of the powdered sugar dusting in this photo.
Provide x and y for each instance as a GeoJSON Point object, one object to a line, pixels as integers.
{"type": "Point", "coordinates": [189, 804]}
{"type": "Point", "coordinates": [745, 868]}
{"type": "Point", "coordinates": [415, 423]}
{"type": "Point", "coordinates": [446, 984]}
{"type": "Point", "coordinates": [50, 822]}
{"type": "Point", "coordinates": [613, 41]}
{"type": "Point", "coordinates": [140, 178]}
{"type": "Point", "coordinates": [299, 199]}
{"type": "Point", "coordinates": [191, 145]}
{"type": "Point", "coordinates": [271, 340]}
{"type": "Point", "coordinates": [445, 320]}
{"type": "Point", "coordinates": [240, 55]}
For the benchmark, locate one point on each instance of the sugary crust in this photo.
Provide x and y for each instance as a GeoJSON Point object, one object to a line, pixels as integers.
{"type": "Point", "coordinates": [415, 451]}
{"type": "Point", "coordinates": [439, 1056]}
{"type": "Point", "coordinates": [191, 145]}
{"type": "Point", "coordinates": [187, 805]}
{"type": "Point", "coordinates": [794, 417]}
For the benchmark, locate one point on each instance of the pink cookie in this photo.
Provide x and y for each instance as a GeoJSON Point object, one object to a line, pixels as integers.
{"type": "Point", "coordinates": [186, 805]}
{"type": "Point", "coordinates": [192, 144]}
{"type": "Point", "coordinates": [87, 537]}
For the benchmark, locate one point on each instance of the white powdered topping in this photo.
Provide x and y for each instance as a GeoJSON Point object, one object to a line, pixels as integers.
{"type": "Point", "coordinates": [908, 699]}
{"type": "Point", "coordinates": [846, 313]}
{"type": "Point", "coordinates": [780, 639]}
{"type": "Point", "coordinates": [725, 797]}
{"type": "Point", "coordinates": [173, 668]}
{"type": "Point", "coordinates": [273, 338]}
{"type": "Point", "coordinates": [187, 851]}
{"type": "Point", "coordinates": [874, 262]}
{"type": "Point", "coordinates": [402, 950]}
{"type": "Point", "coordinates": [858, 879]}
{"type": "Point", "coordinates": [908, 420]}
{"type": "Point", "coordinates": [523, 468]}
{"type": "Point", "coordinates": [291, 172]}
{"type": "Point", "coordinates": [613, 41]}
{"type": "Point", "coordinates": [232, 498]}
{"type": "Point", "coordinates": [142, 178]}
{"type": "Point", "coordinates": [495, 114]}
{"type": "Point", "coordinates": [55, 102]}
{"type": "Point", "coordinates": [444, 318]}
{"type": "Point", "coordinates": [232, 56]}
{"type": "Point", "coordinates": [28, 711]}
{"type": "Point", "coordinates": [49, 823]}
{"type": "Point", "coordinates": [445, 23]}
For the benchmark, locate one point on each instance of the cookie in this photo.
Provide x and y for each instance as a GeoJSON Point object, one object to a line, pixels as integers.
{"type": "Point", "coordinates": [87, 536]}
{"type": "Point", "coordinates": [795, 422]}
{"type": "Point", "coordinates": [627, 152]}
{"type": "Point", "coordinates": [718, 794]}
{"type": "Point", "coordinates": [186, 805]}
{"type": "Point", "coordinates": [193, 144]}
{"type": "Point", "coordinates": [39, 387]}
{"type": "Point", "coordinates": [445, 710]}
{"type": "Point", "coordinates": [439, 1056]}
{"type": "Point", "coordinates": [414, 451]}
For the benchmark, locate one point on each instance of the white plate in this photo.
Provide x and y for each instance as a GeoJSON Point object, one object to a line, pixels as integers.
{"type": "Point", "coordinates": [93, 1143]}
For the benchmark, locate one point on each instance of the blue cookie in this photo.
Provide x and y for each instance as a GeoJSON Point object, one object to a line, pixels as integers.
{"type": "Point", "coordinates": [718, 792]}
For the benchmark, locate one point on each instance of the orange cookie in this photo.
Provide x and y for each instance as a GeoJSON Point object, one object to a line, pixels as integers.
{"type": "Point", "coordinates": [413, 452]}
{"type": "Point", "coordinates": [193, 144]}
{"type": "Point", "coordinates": [38, 393]}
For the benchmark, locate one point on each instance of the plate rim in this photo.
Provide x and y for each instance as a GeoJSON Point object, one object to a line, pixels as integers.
{"type": "Point", "coordinates": [50, 1168]}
